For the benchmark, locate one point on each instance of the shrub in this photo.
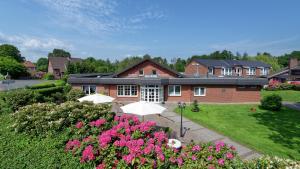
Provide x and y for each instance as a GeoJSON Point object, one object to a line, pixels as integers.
{"type": "Point", "coordinates": [60, 83]}
{"type": "Point", "coordinates": [286, 86]}
{"type": "Point", "coordinates": [48, 76]}
{"type": "Point", "coordinates": [129, 143]}
{"type": "Point", "coordinates": [195, 107]}
{"type": "Point", "coordinates": [20, 97]}
{"type": "Point", "coordinates": [267, 162]}
{"type": "Point", "coordinates": [1, 77]}
{"type": "Point", "coordinates": [4, 107]}
{"type": "Point", "coordinates": [50, 90]}
{"type": "Point", "coordinates": [75, 94]}
{"type": "Point", "coordinates": [41, 86]}
{"type": "Point", "coordinates": [271, 102]}
{"type": "Point", "coordinates": [48, 118]}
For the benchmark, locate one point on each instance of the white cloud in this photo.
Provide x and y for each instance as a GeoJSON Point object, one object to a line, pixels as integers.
{"type": "Point", "coordinates": [34, 47]}
{"type": "Point", "coordinates": [95, 16]}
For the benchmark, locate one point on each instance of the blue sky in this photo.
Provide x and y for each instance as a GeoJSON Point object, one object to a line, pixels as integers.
{"type": "Point", "coordinates": [116, 29]}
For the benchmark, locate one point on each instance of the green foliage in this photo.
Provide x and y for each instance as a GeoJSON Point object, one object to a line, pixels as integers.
{"type": "Point", "coordinates": [271, 102]}
{"type": "Point", "coordinates": [20, 97]}
{"type": "Point", "coordinates": [268, 59]}
{"type": "Point", "coordinates": [10, 51]}
{"type": "Point", "coordinates": [284, 59]}
{"type": "Point", "coordinates": [1, 77]}
{"type": "Point", "coordinates": [75, 94]}
{"type": "Point", "coordinates": [4, 107]}
{"type": "Point", "coordinates": [59, 53]}
{"type": "Point", "coordinates": [42, 64]}
{"type": "Point", "coordinates": [12, 67]}
{"type": "Point", "coordinates": [47, 118]}
{"type": "Point", "coordinates": [50, 90]}
{"type": "Point", "coordinates": [41, 86]}
{"type": "Point", "coordinates": [195, 106]}
{"type": "Point", "coordinates": [48, 76]}
{"type": "Point", "coordinates": [267, 162]}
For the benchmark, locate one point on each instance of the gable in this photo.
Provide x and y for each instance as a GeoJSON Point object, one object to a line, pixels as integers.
{"type": "Point", "coordinates": [148, 66]}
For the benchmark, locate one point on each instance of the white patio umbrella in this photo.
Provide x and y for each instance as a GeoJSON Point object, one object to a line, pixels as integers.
{"type": "Point", "coordinates": [97, 98]}
{"type": "Point", "coordinates": [143, 108]}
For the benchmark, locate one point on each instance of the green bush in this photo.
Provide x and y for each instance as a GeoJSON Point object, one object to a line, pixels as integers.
{"type": "Point", "coordinates": [195, 107]}
{"type": "Point", "coordinates": [286, 86]}
{"type": "Point", "coordinates": [271, 102]}
{"type": "Point", "coordinates": [48, 76]}
{"type": "Point", "coordinates": [1, 77]}
{"type": "Point", "coordinates": [4, 107]}
{"type": "Point", "coordinates": [75, 94]}
{"type": "Point", "coordinates": [267, 162]}
{"type": "Point", "coordinates": [297, 87]}
{"type": "Point", "coordinates": [50, 90]}
{"type": "Point", "coordinates": [60, 83]}
{"type": "Point", "coordinates": [48, 118]}
{"type": "Point", "coordinates": [20, 97]}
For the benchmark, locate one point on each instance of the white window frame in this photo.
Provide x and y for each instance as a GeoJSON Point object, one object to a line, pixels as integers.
{"type": "Point", "coordinates": [251, 71]}
{"type": "Point", "coordinates": [141, 70]}
{"type": "Point", "coordinates": [130, 91]}
{"type": "Point", "coordinates": [227, 71]}
{"type": "Point", "coordinates": [210, 70]}
{"type": "Point", "coordinates": [264, 71]}
{"type": "Point", "coordinates": [174, 92]}
{"type": "Point", "coordinates": [89, 87]}
{"type": "Point", "coordinates": [199, 94]}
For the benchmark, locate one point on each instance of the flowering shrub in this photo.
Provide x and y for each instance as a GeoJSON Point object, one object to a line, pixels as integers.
{"type": "Point", "coordinates": [267, 162]}
{"type": "Point", "coordinates": [46, 118]}
{"type": "Point", "coordinates": [276, 85]}
{"type": "Point", "coordinates": [125, 142]}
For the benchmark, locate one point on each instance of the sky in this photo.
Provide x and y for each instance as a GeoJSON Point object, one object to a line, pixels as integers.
{"type": "Point", "coordinates": [116, 29]}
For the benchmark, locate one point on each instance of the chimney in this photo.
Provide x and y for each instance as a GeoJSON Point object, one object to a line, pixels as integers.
{"type": "Point", "coordinates": [293, 62]}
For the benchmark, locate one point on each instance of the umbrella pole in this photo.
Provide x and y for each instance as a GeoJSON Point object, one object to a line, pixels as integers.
{"type": "Point", "coordinates": [143, 118]}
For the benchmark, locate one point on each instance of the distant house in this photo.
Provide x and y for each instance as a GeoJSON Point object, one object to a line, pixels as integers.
{"type": "Point", "coordinates": [226, 68]}
{"type": "Point", "coordinates": [31, 68]}
{"type": "Point", "coordinates": [147, 80]}
{"type": "Point", "coordinates": [288, 74]}
{"type": "Point", "coordinates": [58, 65]}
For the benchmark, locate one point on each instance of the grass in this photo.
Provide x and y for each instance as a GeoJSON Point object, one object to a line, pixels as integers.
{"type": "Point", "coordinates": [287, 95]}
{"type": "Point", "coordinates": [22, 151]}
{"type": "Point", "coordinates": [272, 133]}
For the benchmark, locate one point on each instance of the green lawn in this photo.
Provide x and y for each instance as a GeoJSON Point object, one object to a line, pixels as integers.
{"type": "Point", "coordinates": [21, 151]}
{"type": "Point", "coordinates": [273, 133]}
{"type": "Point", "coordinates": [287, 95]}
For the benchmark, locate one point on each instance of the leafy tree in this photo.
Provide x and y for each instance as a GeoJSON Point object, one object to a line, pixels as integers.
{"type": "Point", "coordinates": [179, 65]}
{"type": "Point", "coordinates": [42, 64]}
{"type": "Point", "coordinates": [7, 50]}
{"type": "Point", "coordinates": [284, 59]}
{"type": "Point", "coordinates": [267, 58]}
{"type": "Point", "coordinates": [12, 67]}
{"type": "Point", "coordinates": [121, 65]}
{"type": "Point", "coordinates": [59, 53]}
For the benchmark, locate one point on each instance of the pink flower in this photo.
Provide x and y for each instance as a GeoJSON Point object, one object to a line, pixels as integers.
{"type": "Point", "coordinates": [232, 148]}
{"type": "Point", "coordinates": [87, 154]}
{"type": "Point", "coordinates": [97, 123]}
{"type": "Point", "coordinates": [172, 159]}
{"type": "Point", "coordinates": [196, 148]}
{"type": "Point", "coordinates": [229, 155]}
{"type": "Point", "coordinates": [101, 166]}
{"type": "Point", "coordinates": [194, 158]}
{"type": "Point", "coordinates": [179, 161]}
{"type": "Point", "coordinates": [221, 161]}
{"type": "Point", "coordinates": [128, 158]}
{"type": "Point", "coordinates": [140, 142]}
{"type": "Point", "coordinates": [143, 160]}
{"type": "Point", "coordinates": [211, 167]}
{"type": "Point", "coordinates": [72, 145]}
{"type": "Point", "coordinates": [79, 124]}
{"type": "Point", "coordinates": [209, 158]}
{"type": "Point", "coordinates": [161, 157]}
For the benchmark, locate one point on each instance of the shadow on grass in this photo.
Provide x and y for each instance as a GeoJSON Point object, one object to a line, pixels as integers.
{"type": "Point", "coordinates": [285, 124]}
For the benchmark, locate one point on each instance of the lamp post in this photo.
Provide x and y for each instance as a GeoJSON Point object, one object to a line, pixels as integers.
{"type": "Point", "coordinates": [181, 106]}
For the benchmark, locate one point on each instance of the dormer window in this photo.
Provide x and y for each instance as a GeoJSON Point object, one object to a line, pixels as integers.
{"type": "Point", "coordinates": [211, 71]}
{"type": "Point", "coordinates": [264, 71]}
{"type": "Point", "coordinates": [251, 71]}
{"type": "Point", "coordinates": [153, 72]}
{"type": "Point", "coordinates": [141, 72]}
{"type": "Point", "coordinates": [227, 71]}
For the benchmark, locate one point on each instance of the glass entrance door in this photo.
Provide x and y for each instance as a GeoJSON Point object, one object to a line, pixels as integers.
{"type": "Point", "coordinates": [152, 93]}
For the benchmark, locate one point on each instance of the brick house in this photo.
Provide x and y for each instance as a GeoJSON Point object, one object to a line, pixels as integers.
{"type": "Point", "coordinates": [58, 65]}
{"type": "Point", "coordinates": [153, 82]}
{"type": "Point", "coordinates": [288, 74]}
{"type": "Point", "coordinates": [31, 68]}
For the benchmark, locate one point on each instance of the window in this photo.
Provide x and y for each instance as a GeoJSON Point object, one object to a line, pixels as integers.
{"type": "Point", "coordinates": [199, 91]}
{"type": "Point", "coordinates": [251, 71]}
{"type": "Point", "coordinates": [174, 90]}
{"type": "Point", "coordinates": [127, 90]}
{"type": "Point", "coordinates": [153, 72]}
{"type": "Point", "coordinates": [141, 72]}
{"type": "Point", "coordinates": [264, 71]}
{"type": "Point", "coordinates": [89, 89]}
{"type": "Point", "coordinates": [210, 70]}
{"type": "Point", "coordinates": [227, 71]}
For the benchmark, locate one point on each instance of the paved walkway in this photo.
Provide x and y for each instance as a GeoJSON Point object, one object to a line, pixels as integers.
{"type": "Point", "coordinates": [292, 105]}
{"type": "Point", "coordinates": [197, 132]}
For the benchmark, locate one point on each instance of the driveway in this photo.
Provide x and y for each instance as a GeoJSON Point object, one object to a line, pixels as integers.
{"type": "Point", "coordinates": [14, 84]}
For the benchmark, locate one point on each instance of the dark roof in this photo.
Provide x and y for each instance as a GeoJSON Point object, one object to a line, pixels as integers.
{"type": "Point", "coordinates": [62, 62]}
{"type": "Point", "coordinates": [166, 81]}
{"type": "Point", "coordinates": [91, 75]}
{"type": "Point", "coordinates": [150, 60]}
{"type": "Point", "coordinates": [230, 63]}
{"type": "Point", "coordinates": [28, 64]}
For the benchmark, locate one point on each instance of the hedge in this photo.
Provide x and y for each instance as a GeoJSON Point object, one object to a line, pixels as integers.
{"type": "Point", "coordinates": [51, 90]}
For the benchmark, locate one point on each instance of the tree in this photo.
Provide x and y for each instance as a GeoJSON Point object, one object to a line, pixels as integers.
{"type": "Point", "coordinates": [42, 64]}
{"type": "Point", "coordinates": [7, 50]}
{"type": "Point", "coordinates": [284, 59]}
{"type": "Point", "coordinates": [12, 67]}
{"type": "Point", "coordinates": [179, 65]}
{"type": "Point", "coordinates": [59, 53]}
{"type": "Point", "coordinates": [268, 59]}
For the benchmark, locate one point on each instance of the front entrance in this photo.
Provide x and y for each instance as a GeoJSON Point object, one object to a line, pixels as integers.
{"type": "Point", "coordinates": [152, 93]}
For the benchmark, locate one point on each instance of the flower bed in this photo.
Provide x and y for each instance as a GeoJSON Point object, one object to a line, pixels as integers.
{"type": "Point", "coordinates": [125, 142]}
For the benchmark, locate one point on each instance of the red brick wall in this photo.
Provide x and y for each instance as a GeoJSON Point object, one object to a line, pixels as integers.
{"type": "Point", "coordinates": [191, 69]}
{"type": "Point", "coordinates": [147, 67]}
